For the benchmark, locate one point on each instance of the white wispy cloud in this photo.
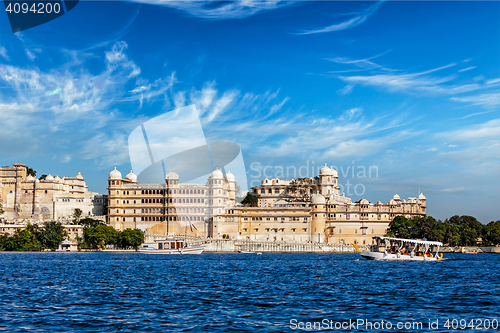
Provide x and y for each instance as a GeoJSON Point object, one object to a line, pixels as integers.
{"type": "Point", "coordinates": [355, 21]}
{"type": "Point", "coordinates": [346, 90]}
{"type": "Point", "coordinates": [62, 107]}
{"type": "Point", "coordinates": [214, 9]}
{"type": "Point", "coordinates": [366, 63]}
{"type": "Point", "coordinates": [414, 82]}
{"type": "Point", "coordinates": [30, 55]}
{"type": "Point", "coordinates": [487, 100]}
{"type": "Point", "coordinates": [467, 69]}
{"type": "Point", "coordinates": [3, 53]}
{"type": "Point", "coordinates": [487, 130]}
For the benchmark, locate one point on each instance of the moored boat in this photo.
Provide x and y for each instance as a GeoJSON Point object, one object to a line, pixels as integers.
{"type": "Point", "coordinates": [171, 246]}
{"type": "Point", "coordinates": [390, 248]}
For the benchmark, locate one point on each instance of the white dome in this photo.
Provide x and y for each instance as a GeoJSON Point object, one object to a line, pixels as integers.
{"type": "Point", "coordinates": [334, 172]}
{"type": "Point", "coordinates": [364, 201]}
{"type": "Point", "coordinates": [79, 175]}
{"type": "Point", "coordinates": [172, 175]}
{"type": "Point", "coordinates": [30, 177]}
{"type": "Point", "coordinates": [318, 199]}
{"type": "Point", "coordinates": [115, 174]}
{"type": "Point", "coordinates": [131, 176]}
{"type": "Point", "coordinates": [49, 177]}
{"type": "Point", "coordinates": [421, 196]}
{"type": "Point", "coordinates": [217, 173]}
{"type": "Point", "coordinates": [230, 176]}
{"type": "Point", "coordinates": [57, 178]}
{"type": "Point", "coordinates": [396, 197]}
{"type": "Point", "coordinates": [325, 171]}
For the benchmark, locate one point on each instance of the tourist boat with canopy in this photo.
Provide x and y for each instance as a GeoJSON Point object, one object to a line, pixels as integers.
{"type": "Point", "coordinates": [390, 248]}
{"type": "Point", "coordinates": [172, 246]}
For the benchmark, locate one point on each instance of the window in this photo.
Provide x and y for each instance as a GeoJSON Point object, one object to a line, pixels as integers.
{"type": "Point", "coordinates": [277, 191]}
{"type": "Point", "coordinates": [356, 231]}
{"type": "Point", "coordinates": [340, 231]}
{"type": "Point", "coordinates": [263, 191]}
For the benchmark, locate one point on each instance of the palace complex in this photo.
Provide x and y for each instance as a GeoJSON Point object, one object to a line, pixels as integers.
{"type": "Point", "coordinates": [301, 210]}
{"type": "Point", "coordinates": [24, 197]}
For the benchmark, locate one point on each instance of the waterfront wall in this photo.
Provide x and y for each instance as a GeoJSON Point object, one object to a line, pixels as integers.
{"type": "Point", "coordinates": [479, 249]}
{"type": "Point", "coordinates": [230, 245]}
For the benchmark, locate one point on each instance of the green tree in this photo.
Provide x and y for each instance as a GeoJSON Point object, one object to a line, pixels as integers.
{"type": "Point", "coordinates": [100, 236]}
{"type": "Point", "coordinates": [42, 177]}
{"type": "Point", "coordinates": [491, 233]}
{"type": "Point", "coordinates": [300, 190]}
{"type": "Point", "coordinates": [131, 238]}
{"type": "Point", "coordinates": [463, 230]}
{"type": "Point", "coordinates": [30, 172]}
{"type": "Point", "coordinates": [51, 235]}
{"type": "Point", "coordinates": [8, 243]}
{"type": "Point", "coordinates": [400, 227]}
{"type": "Point", "coordinates": [90, 223]}
{"type": "Point", "coordinates": [251, 199]}
{"type": "Point", "coordinates": [22, 240]}
{"type": "Point", "coordinates": [77, 214]}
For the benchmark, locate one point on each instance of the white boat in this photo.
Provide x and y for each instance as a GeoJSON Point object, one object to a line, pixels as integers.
{"type": "Point", "coordinates": [390, 248]}
{"type": "Point", "coordinates": [171, 246]}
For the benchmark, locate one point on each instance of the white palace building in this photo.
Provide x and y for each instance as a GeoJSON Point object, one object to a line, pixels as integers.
{"type": "Point", "coordinates": [319, 214]}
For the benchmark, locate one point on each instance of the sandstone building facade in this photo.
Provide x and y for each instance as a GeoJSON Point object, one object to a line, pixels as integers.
{"type": "Point", "coordinates": [25, 197]}
{"type": "Point", "coordinates": [319, 214]}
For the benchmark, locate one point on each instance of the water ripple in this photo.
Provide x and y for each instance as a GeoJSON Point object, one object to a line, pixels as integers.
{"type": "Point", "coordinates": [89, 292]}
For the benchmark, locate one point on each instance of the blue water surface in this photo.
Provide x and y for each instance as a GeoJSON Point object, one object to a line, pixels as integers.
{"type": "Point", "coordinates": [230, 292]}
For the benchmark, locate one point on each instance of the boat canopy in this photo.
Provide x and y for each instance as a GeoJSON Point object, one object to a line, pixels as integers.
{"type": "Point", "coordinates": [422, 242]}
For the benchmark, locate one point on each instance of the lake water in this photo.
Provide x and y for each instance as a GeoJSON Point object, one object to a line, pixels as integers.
{"type": "Point", "coordinates": [64, 292]}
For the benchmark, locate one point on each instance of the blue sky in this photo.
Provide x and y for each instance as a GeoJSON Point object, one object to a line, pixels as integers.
{"type": "Point", "coordinates": [411, 88]}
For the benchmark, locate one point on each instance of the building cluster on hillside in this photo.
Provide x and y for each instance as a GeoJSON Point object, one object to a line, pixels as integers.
{"type": "Point", "coordinates": [301, 210]}
{"type": "Point", "coordinates": [26, 198]}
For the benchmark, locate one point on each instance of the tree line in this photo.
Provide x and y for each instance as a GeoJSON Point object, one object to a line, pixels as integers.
{"type": "Point", "coordinates": [97, 235]}
{"type": "Point", "coordinates": [455, 231]}
{"type": "Point", "coordinates": [51, 234]}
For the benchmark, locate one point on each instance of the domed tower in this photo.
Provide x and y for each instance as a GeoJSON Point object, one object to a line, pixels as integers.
{"type": "Point", "coordinates": [326, 181]}
{"type": "Point", "coordinates": [231, 186]}
{"type": "Point", "coordinates": [217, 191]}
{"type": "Point", "coordinates": [172, 186]}
{"type": "Point", "coordinates": [131, 176]}
{"type": "Point", "coordinates": [422, 200]}
{"type": "Point", "coordinates": [318, 221]}
{"type": "Point", "coordinates": [114, 178]}
{"type": "Point", "coordinates": [114, 185]}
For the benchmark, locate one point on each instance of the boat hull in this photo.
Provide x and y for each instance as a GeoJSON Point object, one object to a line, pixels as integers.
{"type": "Point", "coordinates": [391, 256]}
{"type": "Point", "coordinates": [195, 249]}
